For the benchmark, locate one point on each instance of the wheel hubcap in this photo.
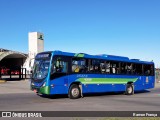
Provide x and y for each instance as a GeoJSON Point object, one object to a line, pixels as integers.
{"type": "Point", "coordinates": [130, 90]}
{"type": "Point", "coordinates": [75, 92]}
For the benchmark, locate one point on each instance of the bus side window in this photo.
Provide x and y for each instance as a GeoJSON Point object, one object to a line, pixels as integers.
{"type": "Point", "coordinates": [79, 65]}
{"type": "Point", "coordinates": [59, 66]}
{"type": "Point", "coordinates": [94, 66]}
{"type": "Point", "coordinates": [138, 69]}
{"type": "Point", "coordinates": [129, 68]}
{"type": "Point", "coordinates": [102, 67]}
{"type": "Point", "coordinates": [133, 69]}
{"type": "Point", "coordinates": [123, 66]}
{"type": "Point", "coordinates": [53, 68]}
{"type": "Point", "coordinates": [108, 67]}
{"type": "Point", "coordinates": [64, 67]}
{"type": "Point", "coordinates": [91, 69]}
{"type": "Point", "coordinates": [112, 69]}
{"type": "Point", "coordinates": [118, 68]}
{"type": "Point", "coordinates": [75, 66]}
{"type": "Point", "coordinates": [115, 68]}
{"type": "Point", "coordinates": [148, 69]}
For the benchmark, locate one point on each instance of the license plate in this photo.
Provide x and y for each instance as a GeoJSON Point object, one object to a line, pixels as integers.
{"type": "Point", "coordinates": [35, 90]}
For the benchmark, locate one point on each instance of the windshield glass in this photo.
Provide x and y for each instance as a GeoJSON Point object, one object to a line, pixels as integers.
{"type": "Point", "coordinates": [40, 69]}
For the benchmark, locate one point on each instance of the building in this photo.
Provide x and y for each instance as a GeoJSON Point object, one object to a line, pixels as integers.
{"type": "Point", "coordinates": [14, 60]}
{"type": "Point", "coordinates": [35, 45]}
{"type": "Point", "coordinates": [11, 62]}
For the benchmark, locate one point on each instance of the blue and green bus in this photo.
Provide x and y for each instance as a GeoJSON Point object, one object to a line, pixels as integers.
{"type": "Point", "coordinates": [57, 72]}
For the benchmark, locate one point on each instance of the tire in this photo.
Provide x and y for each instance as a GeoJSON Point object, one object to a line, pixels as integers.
{"type": "Point", "coordinates": [74, 92]}
{"type": "Point", "coordinates": [129, 89]}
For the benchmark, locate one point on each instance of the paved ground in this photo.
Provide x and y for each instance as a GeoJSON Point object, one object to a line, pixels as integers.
{"type": "Point", "coordinates": [15, 87]}
{"type": "Point", "coordinates": [17, 96]}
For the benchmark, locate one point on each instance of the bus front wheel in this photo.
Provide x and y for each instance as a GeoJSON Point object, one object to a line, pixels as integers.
{"type": "Point", "coordinates": [74, 92]}
{"type": "Point", "coordinates": [129, 89]}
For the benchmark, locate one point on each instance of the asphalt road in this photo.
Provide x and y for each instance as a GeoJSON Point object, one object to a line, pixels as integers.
{"type": "Point", "coordinates": [16, 96]}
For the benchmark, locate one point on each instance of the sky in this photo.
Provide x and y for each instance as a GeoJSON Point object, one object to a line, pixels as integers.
{"type": "Point", "coordinates": [116, 27]}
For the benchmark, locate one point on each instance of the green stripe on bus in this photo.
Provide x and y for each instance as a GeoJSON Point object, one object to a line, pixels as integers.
{"type": "Point", "coordinates": [106, 80]}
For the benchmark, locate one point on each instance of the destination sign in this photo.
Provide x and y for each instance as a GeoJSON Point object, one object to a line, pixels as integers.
{"type": "Point", "coordinates": [44, 55]}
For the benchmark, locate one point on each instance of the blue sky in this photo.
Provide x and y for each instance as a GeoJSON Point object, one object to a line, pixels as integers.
{"type": "Point", "coordinates": [118, 27]}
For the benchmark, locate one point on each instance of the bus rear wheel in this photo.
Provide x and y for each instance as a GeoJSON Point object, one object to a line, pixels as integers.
{"type": "Point", "coordinates": [129, 89]}
{"type": "Point", "coordinates": [74, 92]}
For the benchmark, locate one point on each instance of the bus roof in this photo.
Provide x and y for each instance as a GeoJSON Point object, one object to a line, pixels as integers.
{"type": "Point", "coordinates": [101, 56]}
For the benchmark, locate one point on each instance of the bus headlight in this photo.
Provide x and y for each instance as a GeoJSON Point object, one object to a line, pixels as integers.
{"type": "Point", "coordinates": [32, 83]}
{"type": "Point", "coordinates": [44, 84]}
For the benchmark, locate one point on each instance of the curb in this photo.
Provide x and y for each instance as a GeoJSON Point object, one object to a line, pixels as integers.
{"type": "Point", "coordinates": [3, 81]}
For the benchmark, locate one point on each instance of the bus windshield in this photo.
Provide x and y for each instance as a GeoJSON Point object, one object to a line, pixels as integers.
{"type": "Point", "coordinates": [40, 69]}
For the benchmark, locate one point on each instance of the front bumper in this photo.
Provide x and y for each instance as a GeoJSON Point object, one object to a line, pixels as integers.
{"type": "Point", "coordinates": [41, 90]}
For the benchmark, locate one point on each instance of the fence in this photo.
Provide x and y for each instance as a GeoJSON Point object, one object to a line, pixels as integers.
{"type": "Point", "coordinates": [157, 73]}
{"type": "Point", "coordinates": [20, 73]}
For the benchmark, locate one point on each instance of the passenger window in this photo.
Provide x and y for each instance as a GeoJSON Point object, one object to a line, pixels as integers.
{"type": "Point", "coordinates": [129, 68]}
{"type": "Point", "coordinates": [148, 69]}
{"type": "Point", "coordinates": [103, 66]}
{"type": "Point", "coordinates": [94, 66]}
{"type": "Point", "coordinates": [79, 65]}
{"type": "Point", "coordinates": [123, 68]}
{"type": "Point", "coordinates": [115, 68]}
{"type": "Point", "coordinates": [108, 67]}
{"type": "Point", "coordinates": [137, 69]}
{"type": "Point", "coordinates": [59, 66]}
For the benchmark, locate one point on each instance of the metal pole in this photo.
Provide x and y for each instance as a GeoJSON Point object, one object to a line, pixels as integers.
{"type": "Point", "coordinates": [20, 73]}
{"type": "Point", "coordinates": [25, 73]}
{"type": "Point", "coordinates": [10, 73]}
{"type": "Point", "coordinates": [0, 73]}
